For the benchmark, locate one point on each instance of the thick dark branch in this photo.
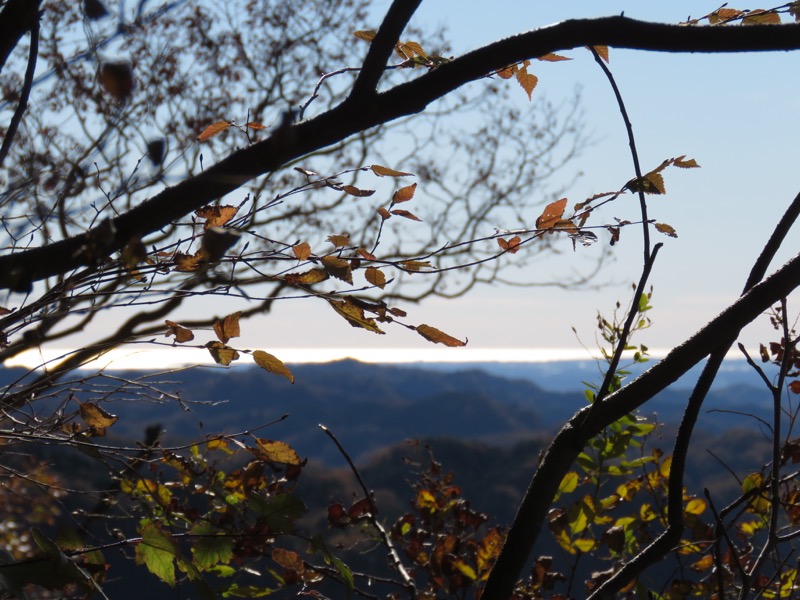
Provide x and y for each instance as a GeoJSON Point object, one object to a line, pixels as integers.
{"type": "Point", "coordinates": [381, 48]}
{"type": "Point", "coordinates": [17, 18]}
{"type": "Point", "coordinates": [19, 270]}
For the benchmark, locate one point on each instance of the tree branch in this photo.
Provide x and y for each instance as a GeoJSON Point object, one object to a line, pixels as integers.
{"type": "Point", "coordinates": [19, 270]}
{"type": "Point", "coordinates": [17, 18]}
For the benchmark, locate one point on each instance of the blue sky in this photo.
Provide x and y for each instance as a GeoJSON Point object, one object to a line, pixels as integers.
{"type": "Point", "coordinates": [735, 114]}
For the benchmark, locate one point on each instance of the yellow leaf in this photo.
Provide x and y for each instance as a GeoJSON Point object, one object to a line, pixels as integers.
{"type": "Point", "coordinates": [212, 130]}
{"type": "Point", "coordinates": [228, 327]}
{"type": "Point", "coordinates": [302, 250]}
{"type": "Point", "coordinates": [569, 483]}
{"type": "Point", "coordinates": [465, 569]}
{"type": "Point", "coordinates": [695, 506]}
{"type": "Point", "coordinates": [182, 335]}
{"type": "Point", "coordinates": [367, 34]}
{"type": "Point", "coordinates": [585, 545]}
{"type": "Point", "coordinates": [354, 315]}
{"type": "Point", "coordinates": [306, 278]}
{"type": "Point", "coordinates": [95, 416]}
{"type": "Point", "coordinates": [552, 214]}
{"type": "Point", "coordinates": [666, 229]}
{"type": "Point", "coordinates": [665, 466]}
{"type": "Point", "coordinates": [704, 564]}
{"type": "Point", "coordinates": [338, 268]}
{"type": "Point", "coordinates": [404, 194]}
{"type": "Point", "coordinates": [550, 57]}
{"type": "Point", "coordinates": [216, 216]}
{"type": "Point", "coordinates": [528, 81]}
{"type": "Point", "coordinates": [277, 452]}
{"type": "Point", "coordinates": [272, 364]}
{"type": "Point", "coordinates": [387, 172]}
{"type": "Point", "coordinates": [375, 277]}
{"type": "Point", "coordinates": [438, 337]}
{"type": "Point", "coordinates": [222, 354]}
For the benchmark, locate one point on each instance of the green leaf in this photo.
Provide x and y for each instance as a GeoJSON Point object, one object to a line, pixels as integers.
{"type": "Point", "coordinates": [157, 551]}
{"type": "Point", "coordinates": [280, 511]}
{"type": "Point", "coordinates": [210, 548]}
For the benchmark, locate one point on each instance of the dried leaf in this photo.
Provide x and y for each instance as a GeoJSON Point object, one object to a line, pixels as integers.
{"type": "Point", "coordinates": [182, 335]}
{"type": "Point", "coordinates": [375, 277]}
{"type": "Point", "coordinates": [684, 163]}
{"type": "Point", "coordinates": [338, 268]}
{"type": "Point", "coordinates": [340, 240]}
{"type": "Point", "coordinates": [650, 183]}
{"type": "Point", "coordinates": [762, 17]}
{"type": "Point", "coordinates": [212, 130]}
{"type": "Point", "coordinates": [406, 214]}
{"type": "Point", "coordinates": [255, 126]}
{"type": "Point", "coordinates": [354, 315]}
{"type": "Point", "coordinates": [404, 194]}
{"type": "Point", "coordinates": [602, 51]}
{"type": "Point", "coordinates": [666, 229]}
{"type": "Point", "coordinates": [366, 254]}
{"type": "Point", "coordinates": [415, 265]}
{"type": "Point", "coordinates": [116, 78]}
{"type": "Point", "coordinates": [367, 34]}
{"type": "Point", "coordinates": [228, 327]}
{"type": "Point", "coordinates": [354, 191]}
{"type": "Point", "coordinates": [94, 416]}
{"type": "Point", "coordinates": [438, 337]}
{"type": "Point", "coordinates": [511, 246]}
{"type": "Point", "coordinates": [552, 214]}
{"type": "Point", "coordinates": [302, 250]}
{"type": "Point", "coordinates": [188, 262]}
{"type": "Point", "coordinates": [216, 216]}
{"type": "Point", "coordinates": [550, 57]}
{"type": "Point", "coordinates": [272, 364]}
{"type": "Point", "coordinates": [507, 72]}
{"type": "Point", "coordinates": [528, 81]}
{"type": "Point", "coordinates": [276, 452]}
{"type": "Point", "coordinates": [307, 278]}
{"type": "Point", "coordinates": [724, 14]}
{"type": "Point", "coordinates": [387, 172]}
{"type": "Point", "coordinates": [385, 214]}
{"type": "Point", "coordinates": [222, 354]}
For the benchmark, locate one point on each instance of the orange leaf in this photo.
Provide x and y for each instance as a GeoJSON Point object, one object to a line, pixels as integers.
{"type": "Point", "coordinates": [340, 240]}
{"type": "Point", "coordinates": [762, 17]}
{"type": "Point", "coordinates": [387, 172]}
{"type": "Point", "coordinates": [228, 327]}
{"type": "Point", "coordinates": [365, 254]}
{"type": "Point", "coordinates": [404, 194]}
{"type": "Point", "coordinates": [550, 57]}
{"type": "Point", "coordinates": [602, 51]}
{"type": "Point", "coordinates": [507, 72]}
{"type": "Point", "coordinates": [216, 216]}
{"type": "Point", "coordinates": [527, 80]}
{"type": "Point", "coordinates": [438, 337]}
{"type": "Point", "coordinates": [302, 250]}
{"type": "Point", "coordinates": [384, 213]}
{"type": "Point", "coordinates": [511, 246]}
{"type": "Point", "coordinates": [375, 277]}
{"type": "Point", "coordinates": [212, 130]}
{"type": "Point", "coordinates": [255, 126]}
{"type": "Point", "coordinates": [552, 214]}
{"type": "Point", "coordinates": [408, 215]}
{"type": "Point", "coordinates": [181, 334]}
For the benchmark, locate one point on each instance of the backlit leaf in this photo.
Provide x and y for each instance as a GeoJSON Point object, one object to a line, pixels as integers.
{"type": "Point", "coordinates": [406, 214]}
{"type": "Point", "coordinates": [367, 34]}
{"type": "Point", "coordinates": [465, 569]}
{"type": "Point", "coordinates": [723, 14]}
{"type": "Point", "coordinates": [650, 183]}
{"type": "Point", "coordinates": [339, 240]}
{"type": "Point", "coordinates": [507, 72]}
{"type": "Point", "coordinates": [375, 277]}
{"type": "Point", "coordinates": [366, 254]}
{"type": "Point", "coordinates": [602, 51]}
{"type": "Point", "coordinates": [404, 194]}
{"type": "Point", "coordinates": [306, 278]}
{"type": "Point", "coordinates": [188, 262]}
{"type": "Point", "coordinates": [94, 416]}
{"type": "Point", "coordinates": [354, 315]}
{"type": "Point", "coordinates": [157, 551]}
{"type": "Point", "coordinates": [666, 229]}
{"type": "Point", "coordinates": [210, 547]}
{"type": "Point", "coordinates": [685, 163]}
{"type": "Point", "coordinates": [438, 337]}
{"type": "Point", "coordinates": [338, 268]}
{"type": "Point", "coordinates": [695, 506]}
{"type": "Point", "coordinates": [302, 250]}
{"type": "Point", "coordinates": [511, 246]}
{"type": "Point", "coordinates": [182, 335]}
{"type": "Point", "coordinates": [222, 354]}
{"type": "Point", "coordinates": [387, 172]}
{"type": "Point", "coordinates": [585, 545]}
{"type": "Point", "coordinates": [528, 81]}
{"type": "Point", "coordinates": [415, 265]}
{"type": "Point", "coordinates": [272, 364]}
{"type": "Point", "coordinates": [228, 327]}
{"type": "Point", "coordinates": [216, 216]}
{"type": "Point", "coordinates": [354, 191]}
{"type": "Point", "coordinates": [276, 452]}
{"type": "Point", "coordinates": [254, 125]}
{"type": "Point", "coordinates": [550, 57]}
{"type": "Point", "coordinates": [762, 17]}
{"type": "Point", "coordinates": [212, 130]}
{"type": "Point", "coordinates": [569, 483]}
{"type": "Point", "coordinates": [552, 214]}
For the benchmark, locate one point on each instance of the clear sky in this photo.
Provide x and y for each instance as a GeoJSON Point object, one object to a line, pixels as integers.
{"type": "Point", "coordinates": [735, 114]}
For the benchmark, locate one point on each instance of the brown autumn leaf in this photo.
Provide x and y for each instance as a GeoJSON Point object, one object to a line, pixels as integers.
{"type": "Point", "coordinates": [602, 51]}
{"type": "Point", "coordinates": [404, 194]}
{"type": "Point", "coordinates": [438, 337]}
{"type": "Point", "coordinates": [338, 268]}
{"type": "Point", "coordinates": [302, 250]}
{"type": "Point", "coordinates": [228, 327]}
{"type": "Point", "coordinates": [507, 72]}
{"type": "Point", "coordinates": [552, 214]}
{"type": "Point", "coordinates": [565, 225]}
{"type": "Point", "coordinates": [685, 163]}
{"type": "Point", "coordinates": [527, 80]}
{"type": "Point", "coordinates": [276, 452]}
{"type": "Point", "coordinates": [94, 416]}
{"type": "Point", "coordinates": [354, 191]}
{"type": "Point", "coordinates": [398, 312]}
{"type": "Point", "coordinates": [366, 254]}
{"type": "Point", "coordinates": [354, 315]}
{"type": "Point", "coordinates": [222, 354]}
{"type": "Point", "coordinates": [212, 130]}
{"type": "Point", "coordinates": [256, 126]}
{"type": "Point", "coordinates": [551, 57]}
{"type": "Point", "coordinates": [375, 277]}
{"type": "Point", "coordinates": [416, 265]}
{"type": "Point", "coordinates": [666, 229]}
{"type": "Point", "coordinates": [650, 183]}
{"type": "Point", "coordinates": [182, 335]}
{"type": "Point", "coordinates": [723, 14]}
{"type": "Point", "coordinates": [387, 172]}
{"type": "Point", "coordinates": [762, 17]}
{"type": "Point", "coordinates": [188, 262]}
{"type": "Point", "coordinates": [272, 364]}
{"type": "Point", "coordinates": [339, 240]}
{"type": "Point", "coordinates": [216, 216]}
{"type": "Point", "coordinates": [511, 246]}
{"type": "Point", "coordinates": [116, 78]}
{"type": "Point", "coordinates": [406, 214]}
{"type": "Point", "coordinates": [385, 214]}
{"type": "Point", "coordinates": [367, 34]}
{"type": "Point", "coordinates": [306, 278]}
